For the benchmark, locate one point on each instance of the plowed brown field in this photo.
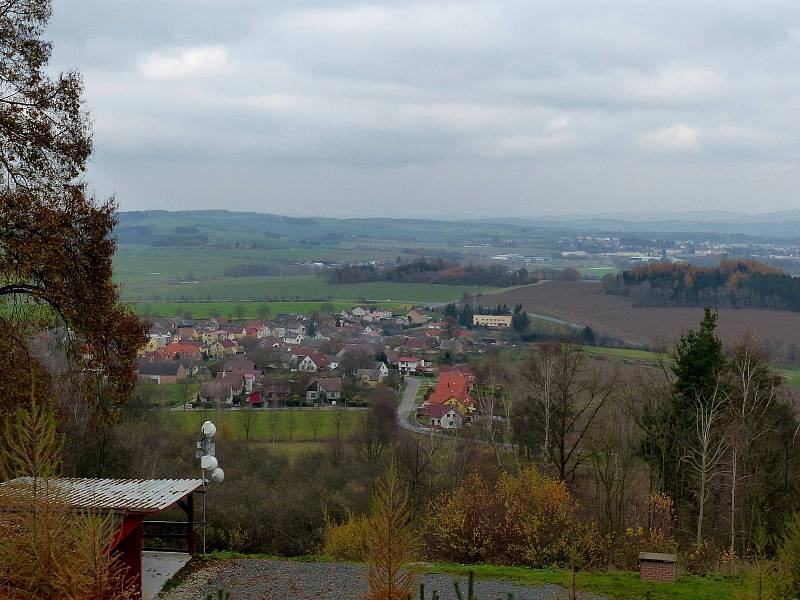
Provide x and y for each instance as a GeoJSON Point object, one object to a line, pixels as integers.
{"type": "Point", "coordinates": [584, 304]}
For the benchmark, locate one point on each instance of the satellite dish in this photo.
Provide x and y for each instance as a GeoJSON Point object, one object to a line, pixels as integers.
{"type": "Point", "coordinates": [208, 462]}
{"type": "Point", "coordinates": [218, 475]}
{"type": "Point", "coordinates": [208, 429]}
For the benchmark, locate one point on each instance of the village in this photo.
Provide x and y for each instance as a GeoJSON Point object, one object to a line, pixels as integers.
{"type": "Point", "coordinates": [348, 359]}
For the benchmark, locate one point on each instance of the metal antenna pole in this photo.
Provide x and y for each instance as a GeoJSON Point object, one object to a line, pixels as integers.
{"type": "Point", "coordinates": [205, 493]}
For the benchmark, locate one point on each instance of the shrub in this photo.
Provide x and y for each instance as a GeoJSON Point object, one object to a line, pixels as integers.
{"type": "Point", "coordinates": [650, 532]}
{"type": "Point", "coordinates": [527, 519]}
{"type": "Point", "coordinates": [347, 541]}
{"type": "Point", "coordinates": [462, 525]}
{"type": "Point", "coordinates": [702, 558]}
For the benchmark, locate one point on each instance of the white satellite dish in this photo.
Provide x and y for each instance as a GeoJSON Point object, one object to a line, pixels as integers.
{"type": "Point", "coordinates": [218, 475]}
{"type": "Point", "coordinates": [208, 429]}
{"type": "Point", "coordinates": [208, 462]}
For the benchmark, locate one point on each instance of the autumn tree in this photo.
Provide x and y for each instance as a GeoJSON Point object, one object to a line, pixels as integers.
{"type": "Point", "coordinates": [392, 542]}
{"type": "Point", "coordinates": [55, 241]}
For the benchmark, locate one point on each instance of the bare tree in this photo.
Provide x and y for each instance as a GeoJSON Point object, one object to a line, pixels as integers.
{"type": "Point", "coordinates": [247, 418]}
{"type": "Point", "coordinates": [559, 404]}
{"type": "Point", "coordinates": [273, 422]}
{"type": "Point", "coordinates": [751, 388]}
{"type": "Point", "coordinates": [539, 373]}
{"type": "Point", "coordinates": [613, 459]}
{"type": "Point", "coordinates": [414, 456]}
{"type": "Point", "coordinates": [705, 449]}
{"type": "Point", "coordinates": [313, 418]}
{"type": "Point", "coordinates": [291, 423]}
{"type": "Point", "coordinates": [580, 396]}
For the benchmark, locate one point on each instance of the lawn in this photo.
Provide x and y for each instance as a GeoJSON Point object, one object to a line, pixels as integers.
{"type": "Point", "coordinates": [295, 425]}
{"type": "Point", "coordinates": [623, 353]}
{"type": "Point", "coordinates": [166, 394]}
{"type": "Point", "coordinates": [792, 377]}
{"type": "Point", "coordinates": [290, 449]}
{"type": "Point", "coordinates": [620, 585]}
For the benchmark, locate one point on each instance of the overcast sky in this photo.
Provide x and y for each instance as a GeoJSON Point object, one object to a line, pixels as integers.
{"type": "Point", "coordinates": [459, 108]}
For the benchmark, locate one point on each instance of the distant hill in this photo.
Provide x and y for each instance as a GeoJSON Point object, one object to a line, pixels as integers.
{"type": "Point", "coordinates": [158, 227]}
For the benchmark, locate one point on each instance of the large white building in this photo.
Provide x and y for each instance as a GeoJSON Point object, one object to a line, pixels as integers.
{"type": "Point", "coordinates": [493, 321]}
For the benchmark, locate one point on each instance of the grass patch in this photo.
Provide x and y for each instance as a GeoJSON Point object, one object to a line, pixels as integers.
{"type": "Point", "coordinates": [291, 450]}
{"type": "Point", "coordinates": [167, 394]}
{"type": "Point", "coordinates": [620, 585]}
{"type": "Point", "coordinates": [624, 353]}
{"type": "Point", "coordinates": [792, 377]}
{"type": "Point", "coordinates": [300, 425]}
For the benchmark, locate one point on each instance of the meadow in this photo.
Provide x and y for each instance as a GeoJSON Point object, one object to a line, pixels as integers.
{"type": "Point", "coordinates": [248, 309]}
{"type": "Point", "coordinates": [290, 425]}
{"type": "Point", "coordinates": [294, 288]}
{"type": "Point", "coordinates": [176, 280]}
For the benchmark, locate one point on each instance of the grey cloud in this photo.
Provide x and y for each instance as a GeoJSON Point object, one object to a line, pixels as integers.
{"type": "Point", "coordinates": [338, 106]}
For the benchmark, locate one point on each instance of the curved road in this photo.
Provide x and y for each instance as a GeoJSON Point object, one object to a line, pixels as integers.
{"type": "Point", "coordinates": [408, 406]}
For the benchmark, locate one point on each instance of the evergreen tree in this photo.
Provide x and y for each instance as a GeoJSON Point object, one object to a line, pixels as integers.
{"type": "Point", "coordinates": [699, 359]}
{"type": "Point", "coordinates": [465, 316]}
{"type": "Point", "coordinates": [519, 320]}
{"type": "Point", "coordinates": [451, 310]}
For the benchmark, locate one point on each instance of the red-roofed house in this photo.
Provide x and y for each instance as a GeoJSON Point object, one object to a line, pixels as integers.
{"type": "Point", "coordinates": [453, 388]}
{"type": "Point", "coordinates": [317, 361]}
{"type": "Point", "coordinates": [181, 349]}
{"type": "Point", "coordinates": [409, 365]}
{"type": "Point", "coordinates": [445, 416]}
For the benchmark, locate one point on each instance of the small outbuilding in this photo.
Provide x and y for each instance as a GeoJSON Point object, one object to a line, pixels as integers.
{"type": "Point", "coordinates": [657, 567]}
{"type": "Point", "coordinates": [131, 500]}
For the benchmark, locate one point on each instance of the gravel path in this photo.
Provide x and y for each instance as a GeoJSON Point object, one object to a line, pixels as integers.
{"type": "Point", "coordinates": [251, 579]}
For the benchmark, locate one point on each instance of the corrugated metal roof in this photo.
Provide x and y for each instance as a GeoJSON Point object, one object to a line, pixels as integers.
{"type": "Point", "coordinates": [116, 495]}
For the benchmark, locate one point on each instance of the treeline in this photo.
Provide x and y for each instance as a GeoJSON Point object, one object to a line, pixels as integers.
{"type": "Point", "coordinates": [440, 270]}
{"type": "Point", "coordinates": [733, 284]}
{"type": "Point", "coordinates": [433, 271]}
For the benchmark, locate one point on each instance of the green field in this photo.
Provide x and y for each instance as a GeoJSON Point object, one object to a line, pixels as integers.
{"type": "Point", "coordinates": [166, 394]}
{"type": "Point", "coordinates": [598, 272]}
{"type": "Point", "coordinates": [294, 288]}
{"type": "Point", "coordinates": [292, 425]}
{"type": "Point", "coordinates": [205, 310]}
{"type": "Point", "coordinates": [135, 264]}
{"type": "Point", "coordinates": [624, 353]}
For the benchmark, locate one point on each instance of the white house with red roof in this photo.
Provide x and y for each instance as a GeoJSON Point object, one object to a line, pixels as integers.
{"type": "Point", "coordinates": [410, 365]}
{"type": "Point", "coordinates": [445, 416]}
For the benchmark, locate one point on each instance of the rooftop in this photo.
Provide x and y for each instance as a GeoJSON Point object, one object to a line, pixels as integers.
{"type": "Point", "coordinates": [110, 495]}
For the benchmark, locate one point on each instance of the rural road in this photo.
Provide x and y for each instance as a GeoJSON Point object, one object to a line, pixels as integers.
{"type": "Point", "coordinates": [408, 405]}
